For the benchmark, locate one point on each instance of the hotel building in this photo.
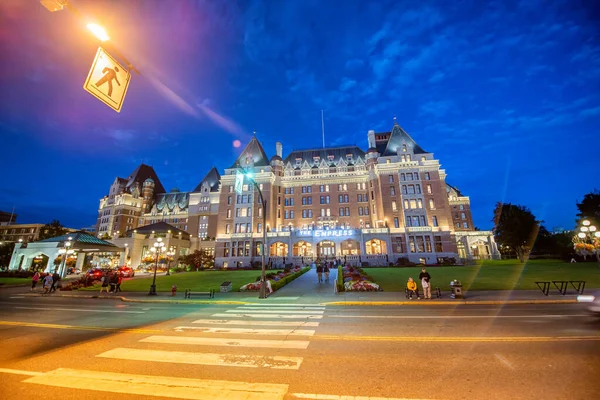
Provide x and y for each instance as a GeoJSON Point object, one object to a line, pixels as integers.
{"type": "Point", "coordinates": [375, 206]}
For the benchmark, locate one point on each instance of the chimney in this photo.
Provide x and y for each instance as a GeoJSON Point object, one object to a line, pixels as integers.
{"type": "Point", "coordinates": [371, 136]}
{"type": "Point", "coordinates": [279, 149]}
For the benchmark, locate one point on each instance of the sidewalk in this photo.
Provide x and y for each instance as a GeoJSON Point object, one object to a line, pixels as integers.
{"type": "Point", "coordinates": [307, 290]}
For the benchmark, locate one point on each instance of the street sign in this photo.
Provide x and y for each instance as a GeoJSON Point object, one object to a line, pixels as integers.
{"type": "Point", "coordinates": [108, 80]}
{"type": "Point", "coordinates": [239, 182]}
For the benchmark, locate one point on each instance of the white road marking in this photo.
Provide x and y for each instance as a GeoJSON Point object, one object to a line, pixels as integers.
{"type": "Point", "coordinates": [337, 397]}
{"type": "Point", "coordinates": [284, 304]}
{"type": "Point", "coordinates": [50, 308]}
{"type": "Point", "coordinates": [254, 323]}
{"type": "Point", "coordinates": [457, 316]}
{"type": "Point", "coordinates": [297, 316]}
{"type": "Point", "coordinates": [224, 360]}
{"type": "Point", "coordinates": [279, 308]}
{"type": "Point", "coordinates": [204, 341]}
{"type": "Point", "coordinates": [278, 311]}
{"type": "Point", "coordinates": [250, 331]}
{"type": "Point", "coordinates": [20, 372]}
{"type": "Point", "coordinates": [504, 361]}
{"type": "Point", "coordinates": [159, 386]}
{"type": "Point", "coordinates": [16, 297]}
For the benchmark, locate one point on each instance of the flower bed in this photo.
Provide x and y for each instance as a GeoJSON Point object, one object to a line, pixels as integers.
{"type": "Point", "coordinates": [278, 280]}
{"type": "Point", "coordinates": [355, 280]}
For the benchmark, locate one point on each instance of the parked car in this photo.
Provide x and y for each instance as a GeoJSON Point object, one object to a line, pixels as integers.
{"type": "Point", "coordinates": [592, 302]}
{"type": "Point", "coordinates": [96, 273]}
{"type": "Point", "coordinates": [126, 271]}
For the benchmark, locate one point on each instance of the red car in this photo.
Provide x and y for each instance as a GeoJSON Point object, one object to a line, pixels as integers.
{"type": "Point", "coordinates": [126, 272]}
{"type": "Point", "coordinates": [96, 273]}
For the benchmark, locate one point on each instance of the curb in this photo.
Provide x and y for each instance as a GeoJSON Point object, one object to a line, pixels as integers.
{"type": "Point", "coordinates": [128, 300]}
{"type": "Point", "coordinates": [446, 303]}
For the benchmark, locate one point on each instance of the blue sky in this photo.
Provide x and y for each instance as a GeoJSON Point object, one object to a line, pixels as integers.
{"type": "Point", "coordinates": [505, 93]}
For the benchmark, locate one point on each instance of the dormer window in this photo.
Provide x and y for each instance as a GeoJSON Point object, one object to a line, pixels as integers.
{"type": "Point", "coordinates": [349, 157]}
{"type": "Point", "coordinates": [331, 157]}
{"type": "Point", "coordinates": [298, 162]}
{"type": "Point", "coordinates": [404, 148]}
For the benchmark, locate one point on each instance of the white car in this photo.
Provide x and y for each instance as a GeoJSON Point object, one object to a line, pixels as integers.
{"type": "Point", "coordinates": [592, 301]}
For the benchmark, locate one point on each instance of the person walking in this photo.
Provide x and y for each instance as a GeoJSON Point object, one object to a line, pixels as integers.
{"type": "Point", "coordinates": [326, 271]}
{"type": "Point", "coordinates": [34, 280]}
{"type": "Point", "coordinates": [114, 279]}
{"type": "Point", "coordinates": [119, 281]}
{"type": "Point", "coordinates": [55, 279]}
{"type": "Point", "coordinates": [320, 273]}
{"type": "Point", "coordinates": [425, 278]}
{"type": "Point", "coordinates": [104, 280]}
{"type": "Point", "coordinates": [412, 288]}
{"type": "Point", "coordinates": [47, 283]}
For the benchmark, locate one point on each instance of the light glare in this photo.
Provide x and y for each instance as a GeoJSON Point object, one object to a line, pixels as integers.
{"type": "Point", "coordinates": [98, 31]}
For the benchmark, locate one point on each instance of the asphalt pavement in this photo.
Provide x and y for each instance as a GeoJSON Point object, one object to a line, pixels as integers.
{"type": "Point", "coordinates": [55, 347]}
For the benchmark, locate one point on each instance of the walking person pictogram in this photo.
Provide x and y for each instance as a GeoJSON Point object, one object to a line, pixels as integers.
{"type": "Point", "coordinates": [109, 75]}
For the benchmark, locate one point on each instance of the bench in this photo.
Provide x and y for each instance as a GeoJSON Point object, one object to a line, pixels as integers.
{"type": "Point", "coordinates": [437, 293]}
{"type": "Point", "coordinates": [189, 293]}
{"type": "Point", "coordinates": [562, 286]}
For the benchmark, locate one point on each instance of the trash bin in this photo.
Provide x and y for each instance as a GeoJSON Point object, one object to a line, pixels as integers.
{"type": "Point", "coordinates": [457, 292]}
{"type": "Point", "coordinates": [226, 287]}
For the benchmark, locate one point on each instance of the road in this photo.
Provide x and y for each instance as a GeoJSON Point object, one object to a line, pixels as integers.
{"type": "Point", "coordinates": [284, 351]}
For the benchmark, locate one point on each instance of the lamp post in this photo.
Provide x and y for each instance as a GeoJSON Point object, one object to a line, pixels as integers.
{"type": "Point", "coordinates": [587, 239]}
{"type": "Point", "coordinates": [262, 293]}
{"type": "Point", "coordinates": [169, 254]}
{"type": "Point", "coordinates": [159, 246]}
{"type": "Point", "coordinates": [64, 251]}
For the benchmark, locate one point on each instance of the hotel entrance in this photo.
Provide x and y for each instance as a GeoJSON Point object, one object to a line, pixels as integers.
{"type": "Point", "coordinates": [326, 248]}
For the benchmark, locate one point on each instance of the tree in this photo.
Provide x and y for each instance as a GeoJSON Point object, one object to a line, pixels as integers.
{"type": "Point", "coordinates": [198, 259]}
{"type": "Point", "coordinates": [52, 229]}
{"type": "Point", "coordinates": [589, 208]}
{"type": "Point", "coordinates": [6, 251]}
{"type": "Point", "coordinates": [515, 227]}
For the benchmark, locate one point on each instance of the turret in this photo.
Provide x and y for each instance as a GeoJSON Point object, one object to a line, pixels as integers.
{"type": "Point", "coordinates": [147, 194]}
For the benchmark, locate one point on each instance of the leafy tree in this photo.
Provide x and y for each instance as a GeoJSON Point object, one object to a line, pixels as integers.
{"type": "Point", "coordinates": [198, 259]}
{"type": "Point", "coordinates": [589, 208]}
{"type": "Point", "coordinates": [52, 229]}
{"type": "Point", "coordinates": [515, 227]}
{"type": "Point", "coordinates": [6, 250]}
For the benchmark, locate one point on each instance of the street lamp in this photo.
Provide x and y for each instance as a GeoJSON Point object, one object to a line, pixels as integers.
{"type": "Point", "coordinates": [262, 293]}
{"type": "Point", "coordinates": [587, 240]}
{"type": "Point", "coordinates": [159, 246]}
{"type": "Point", "coordinates": [64, 251]}
{"type": "Point", "coordinates": [170, 254]}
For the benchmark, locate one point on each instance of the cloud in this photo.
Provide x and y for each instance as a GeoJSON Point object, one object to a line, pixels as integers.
{"type": "Point", "coordinates": [438, 76]}
{"type": "Point", "coordinates": [437, 108]}
{"type": "Point", "coordinates": [347, 84]}
{"type": "Point", "coordinates": [354, 64]}
{"type": "Point", "coordinates": [122, 137]}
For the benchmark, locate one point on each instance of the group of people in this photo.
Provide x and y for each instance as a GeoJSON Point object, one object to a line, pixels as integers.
{"type": "Point", "coordinates": [49, 281]}
{"type": "Point", "coordinates": [413, 290]}
{"type": "Point", "coordinates": [323, 269]}
{"type": "Point", "coordinates": [111, 280]}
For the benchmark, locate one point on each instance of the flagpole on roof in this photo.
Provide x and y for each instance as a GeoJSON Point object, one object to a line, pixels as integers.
{"type": "Point", "coordinates": [323, 128]}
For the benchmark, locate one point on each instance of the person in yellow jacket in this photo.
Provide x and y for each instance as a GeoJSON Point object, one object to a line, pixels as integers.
{"type": "Point", "coordinates": [411, 287]}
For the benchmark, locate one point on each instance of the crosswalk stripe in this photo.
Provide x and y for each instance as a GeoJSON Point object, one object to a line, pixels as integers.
{"type": "Point", "coordinates": [204, 341]}
{"type": "Point", "coordinates": [255, 323]}
{"type": "Point", "coordinates": [159, 386]}
{"type": "Point", "coordinates": [278, 311]}
{"type": "Point", "coordinates": [338, 397]}
{"type": "Point", "coordinates": [279, 308]}
{"type": "Point", "coordinates": [250, 331]}
{"type": "Point", "coordinates": [296, 316]}
{"type": "Point", "coordinates": [223, 360]}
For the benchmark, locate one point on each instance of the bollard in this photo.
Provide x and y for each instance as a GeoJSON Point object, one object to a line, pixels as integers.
{"type": "Point", "coordinates": [173, 290]}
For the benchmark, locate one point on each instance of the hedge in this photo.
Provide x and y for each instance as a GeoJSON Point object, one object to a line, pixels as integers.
{"type": "Point", "coordinates": [340, 279]}
{"type": "Point", "coordinates": [276, 285]}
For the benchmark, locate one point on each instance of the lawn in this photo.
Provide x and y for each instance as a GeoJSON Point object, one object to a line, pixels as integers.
{"type": "Point", "coordinates": [491, 275]}
{"type": "Point", "coordinates": [14, 281]}
{"type": "Point", "coordinates": [198, 281]}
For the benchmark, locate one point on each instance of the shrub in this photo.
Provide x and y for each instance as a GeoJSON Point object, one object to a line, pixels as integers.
{"type": "Point", "coordinates": [405, 262]}
{"type": "Point", "coordinates": [340, 279]}
{"type": "Point", "coordinates": [17, 274]}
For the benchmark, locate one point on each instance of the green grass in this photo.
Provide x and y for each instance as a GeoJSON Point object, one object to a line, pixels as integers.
{"type": "Point", "coordinates": [14, 281]}
{"type": "Point", "coordinates": [198, 281]}
{"type": "Point", "coordinates": [491, 275]}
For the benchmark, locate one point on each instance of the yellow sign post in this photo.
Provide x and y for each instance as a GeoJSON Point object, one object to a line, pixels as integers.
{"type": "Point", "coordinates": [108, 80]}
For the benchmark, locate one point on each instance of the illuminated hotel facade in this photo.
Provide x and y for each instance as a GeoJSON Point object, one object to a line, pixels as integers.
{"type": "Point", "coordinates": [374, 207]}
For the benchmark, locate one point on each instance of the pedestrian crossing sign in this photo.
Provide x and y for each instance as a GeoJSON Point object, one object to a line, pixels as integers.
{"type": "Point", "coordinates": [108, 80]}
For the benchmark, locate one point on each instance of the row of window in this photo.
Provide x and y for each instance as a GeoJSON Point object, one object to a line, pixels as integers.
{"type": "Point", "coordinates": [242, 228]}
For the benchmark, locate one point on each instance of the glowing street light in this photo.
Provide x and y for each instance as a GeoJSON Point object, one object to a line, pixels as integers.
{"type": "Point", "coordinates": [99, 32]}
{"type": "Point", "coordinates": [587, 240]}
{"type": "Point", "coordinates": [159, 246]}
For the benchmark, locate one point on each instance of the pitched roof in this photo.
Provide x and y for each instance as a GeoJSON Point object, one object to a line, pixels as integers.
{"type": "Point", "coordinates": [142, 173]}
{"type": "Point", "coordinates": [213, 178]}
{"type": "Point", "coordinates": [450, 188]}
{"type": "Point", "coordinates": [397, 137]}
{"type": "Point", "coordinates": [254, 151]}
{"type": "Point", "coordinates": [309, 155]}
{"type": "Point", "coordinates": [159, 227]}
{"type": "Point", "coordinates": [171, 200]}
{"type": "Point", "coordinates": [81, 240]}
